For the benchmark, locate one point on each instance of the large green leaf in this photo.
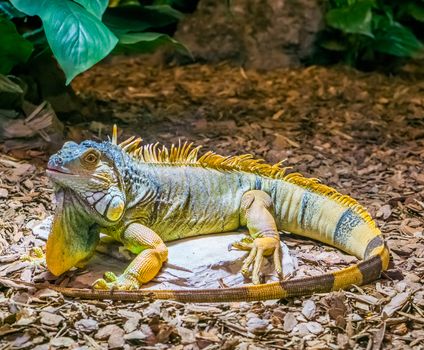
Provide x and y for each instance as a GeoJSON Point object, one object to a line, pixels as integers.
{"type": "Point", "coordinates": [355, 19]}
{"type": "Point", "coordinates": [77, 38]}
{"type": "Point", "coordinates": [136, 18]}
{"type": "Point", "coordinates": [394, 39]}
{"type": "Point", "coordinates": [14, 48]}
{"type": "Point", "coordinates": [165, 10]}
{"type": "Point", "coordinates": [147, 43]}
{"type": "Point", "coordinates": [96, 8]}
{"type": "Point", "coordinates": [31, 8]}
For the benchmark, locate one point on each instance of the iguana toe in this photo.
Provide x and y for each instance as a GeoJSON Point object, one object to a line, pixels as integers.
{"type": "Point", "coordinates": [100, 284]}
{"type": "Point", "coordinates": [36, 257]}
{"type": "Point", "coordinates": [111, 282]}
{"type": "Point", "coordinates": [109, 276]}
{"type": "Point", "coordinates": [245, 243]}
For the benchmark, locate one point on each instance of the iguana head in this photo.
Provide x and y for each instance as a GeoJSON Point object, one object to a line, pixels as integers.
{"type": "Point", "coordinates": [89, 171]}
{"type": "Point", "coordinates": [89, 192]}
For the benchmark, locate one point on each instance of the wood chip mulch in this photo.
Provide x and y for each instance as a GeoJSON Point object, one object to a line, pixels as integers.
{"type": "Point", "coordinates": [362, 133]}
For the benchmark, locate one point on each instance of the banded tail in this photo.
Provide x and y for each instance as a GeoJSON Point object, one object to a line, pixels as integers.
{"type": "Point", "coordinates": [368, 270]}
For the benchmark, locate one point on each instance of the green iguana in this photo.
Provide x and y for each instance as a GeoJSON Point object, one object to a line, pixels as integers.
{"type": "Point", "coordinates": [146, 195]}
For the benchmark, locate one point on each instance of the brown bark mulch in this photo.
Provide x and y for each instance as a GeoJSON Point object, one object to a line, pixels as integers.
{"type": "Point", "coordinates": [362, 133]}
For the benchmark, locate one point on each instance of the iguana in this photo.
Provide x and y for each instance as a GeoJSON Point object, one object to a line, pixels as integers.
{"type": "Point", "coordinates": [145, 195]}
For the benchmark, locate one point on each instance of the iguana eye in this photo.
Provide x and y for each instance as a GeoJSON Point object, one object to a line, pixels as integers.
{"type": "Point", "coordinates": [91, 158]}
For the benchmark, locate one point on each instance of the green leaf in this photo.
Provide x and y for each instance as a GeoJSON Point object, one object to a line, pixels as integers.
{"type": "Point", "coordinates": [136, 18]}
{"type": "Point", "coordinates": [125, 3]}
{"type": "Point", "coordinates": [166, 10]}
{"type": "Point", "coordinates": [14, 48]}
{"type": "Point", "coordinates": [394, 39]}
{"type": "Point", "coordinates": [9, 11]}
{"type": "Point", "coordinates": [355, 19]}
{"type": "Point", "coordinates": [339, 3]}
{"type": "Point", "coordinates": [414, 9]}
{"type": "Point", "coordinates": [31, 8]}
{"type": "Point", "coordinates": [77, 38]}
{"type": "Point", "coordinates": [333, 45]}
{"type": "Point", "coordinates": [95, 7]}
{"type": "Point", "coordinates": [178, 3]}
{"type": "Point", "coordinates": [147, 43]}
{"type": "Point", "coordinates": [37, 37]}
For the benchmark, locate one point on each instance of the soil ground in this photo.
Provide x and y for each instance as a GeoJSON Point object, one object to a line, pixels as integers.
{"type": "Point", "coordinates": [362, 133]}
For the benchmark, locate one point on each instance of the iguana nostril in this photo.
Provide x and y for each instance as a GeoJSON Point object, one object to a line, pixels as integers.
{"type": "Point", "coordinates": [55, 162]}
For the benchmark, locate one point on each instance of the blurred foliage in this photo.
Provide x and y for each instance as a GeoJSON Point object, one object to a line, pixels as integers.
{"type": "Point", "coordinates": [80, 33]}
{"type": "Point", "coordinates": [15, 48]}
{"type": "Point", "coordinates": [372, 32]}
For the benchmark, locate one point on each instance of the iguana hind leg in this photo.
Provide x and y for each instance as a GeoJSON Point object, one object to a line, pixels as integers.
{"type": "Point", "coordinates": [257, 214]}
{"type": "Point", "coordinates": [152, 253]}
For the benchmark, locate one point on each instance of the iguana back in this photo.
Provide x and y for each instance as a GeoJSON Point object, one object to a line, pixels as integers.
{"type": "Point", "coordinates": [196, 196]}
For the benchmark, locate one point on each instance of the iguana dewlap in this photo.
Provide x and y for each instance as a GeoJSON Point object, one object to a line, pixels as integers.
{"type": "Point", "coordinates": [144, 196]}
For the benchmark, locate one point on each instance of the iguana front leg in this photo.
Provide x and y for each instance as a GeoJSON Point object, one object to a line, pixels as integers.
{"type": "Point", "coordinates": [152, 253]}
{"type": "Point", "coordinates": [257, 214]}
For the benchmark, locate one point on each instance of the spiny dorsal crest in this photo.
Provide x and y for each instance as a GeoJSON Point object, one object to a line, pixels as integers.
{"type": "Point", "coordinates": [185, 154]}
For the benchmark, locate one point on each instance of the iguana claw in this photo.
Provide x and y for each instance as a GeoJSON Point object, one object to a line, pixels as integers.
{"type": "Point", "coordinates": [246, 243]}
{"type": "Point", "coordinates": [263, 246]}
{"type": "Point", "coordinates": [111, 281]}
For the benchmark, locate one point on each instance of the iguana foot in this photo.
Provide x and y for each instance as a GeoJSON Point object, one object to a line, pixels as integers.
{"type": "Point", "coordinates": [262, 246]}
{"type": "Point", "coordinates": [111, 281]}
{"type": "Point", "coordinates": [35, 256]}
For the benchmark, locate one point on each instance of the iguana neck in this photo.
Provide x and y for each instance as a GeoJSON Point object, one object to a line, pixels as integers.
{"type": "Point", "coordinates": [73, 236]}
{"type": "Point", "coordinates": [140, 187]}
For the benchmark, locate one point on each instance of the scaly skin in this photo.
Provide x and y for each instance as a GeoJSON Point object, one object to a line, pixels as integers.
{"type": "Point", "coordinates": [144, 197]}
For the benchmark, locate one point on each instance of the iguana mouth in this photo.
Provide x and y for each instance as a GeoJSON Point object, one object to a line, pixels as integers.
{"type": "Point", "coordinates": [52, 170]}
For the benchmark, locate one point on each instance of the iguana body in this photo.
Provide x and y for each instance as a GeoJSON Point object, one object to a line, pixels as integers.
{"type": "Point", "coordinates": [145, 196]}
